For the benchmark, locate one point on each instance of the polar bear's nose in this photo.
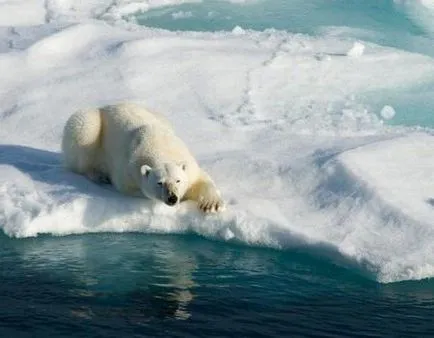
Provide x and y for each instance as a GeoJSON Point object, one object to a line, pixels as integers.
{"type": "Point", "coordinates": [172, 199]}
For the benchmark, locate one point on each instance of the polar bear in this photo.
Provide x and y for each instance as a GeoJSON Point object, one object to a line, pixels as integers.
{"type": "Point", "coordinates": [139, 153]}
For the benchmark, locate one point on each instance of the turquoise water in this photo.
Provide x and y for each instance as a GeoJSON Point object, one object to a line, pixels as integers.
{"type": "Point", "coordinates": [132, 285]}
{"type": "Point", "coordinates": [393, 26]}
{"type": "Point", "coordinates": [295, 16]}
{"type": "Point", "coordinates": [377, 21]}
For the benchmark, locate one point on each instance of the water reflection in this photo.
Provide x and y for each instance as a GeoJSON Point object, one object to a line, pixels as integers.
{"type": "Point", "coordinates": [115, 276]}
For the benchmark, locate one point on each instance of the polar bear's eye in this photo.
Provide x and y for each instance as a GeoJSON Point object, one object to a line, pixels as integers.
{"type": "Point", "coordinates": [178, 181]}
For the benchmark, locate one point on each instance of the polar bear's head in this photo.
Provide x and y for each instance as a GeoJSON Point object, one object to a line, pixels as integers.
{"type": "Point", "coordinates": [167, 183]}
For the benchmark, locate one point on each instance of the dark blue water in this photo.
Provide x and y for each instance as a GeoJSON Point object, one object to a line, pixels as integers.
{"type": "Point", "coordinates": [133, 285]}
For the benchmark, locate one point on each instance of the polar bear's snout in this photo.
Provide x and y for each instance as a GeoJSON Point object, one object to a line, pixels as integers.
{"type": "Point", "coordinates": [172, 199]}
{"type": "Point", "coordinates": [170, 196]}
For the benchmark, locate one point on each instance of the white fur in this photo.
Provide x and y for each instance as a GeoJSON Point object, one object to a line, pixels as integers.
{"type": "Point", "coordinates": [139, 153]}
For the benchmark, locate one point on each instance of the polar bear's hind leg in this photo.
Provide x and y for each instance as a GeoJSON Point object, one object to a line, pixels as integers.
{"type": "Point", "coordinates": [98, 176]}
{"type": "Point", "coordinates": [81, 142]}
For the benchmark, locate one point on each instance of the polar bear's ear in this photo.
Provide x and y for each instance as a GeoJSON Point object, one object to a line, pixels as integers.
{"type": "Point", "coordinates": [145, 170]}
{"type": "Point", "coordinates": [183, 165]}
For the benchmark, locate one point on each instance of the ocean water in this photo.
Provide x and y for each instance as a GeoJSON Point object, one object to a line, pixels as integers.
{"type": "Point", "coordinates": [398, 24]}
{"type": "Point", "coordinates": [334, 238]}
{"type": "Point", "coordinates": [183, 286]}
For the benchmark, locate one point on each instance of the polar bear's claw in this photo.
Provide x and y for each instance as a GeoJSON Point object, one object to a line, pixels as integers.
{"type": "Point", "coordinates": [211, 206]}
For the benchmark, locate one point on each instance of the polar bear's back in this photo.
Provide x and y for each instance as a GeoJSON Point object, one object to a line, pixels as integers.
{"type": "Point", "coordinates": [120, 123]}
{"type": "Point", "coordinates": [129, 116]}
{"type": "Point", "coordinates": [133, 134]}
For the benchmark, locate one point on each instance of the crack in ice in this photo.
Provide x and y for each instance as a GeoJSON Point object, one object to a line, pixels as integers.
{"type": "Point", "coordinates": [246, 111]}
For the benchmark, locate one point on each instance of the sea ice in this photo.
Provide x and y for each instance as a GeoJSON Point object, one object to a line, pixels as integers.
{"type": "Point", "coordinates": [301, 165]}
{"type": "Point", "coordinates": [387, 112]}
{"type": "Point", "coordinates": [357, 50]}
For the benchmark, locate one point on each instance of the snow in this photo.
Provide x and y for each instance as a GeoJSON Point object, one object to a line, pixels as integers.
{"type": "Point", "coordinates": [238, 30]}
{"type": "Point", "coordinates": [399, 194]}
{"type": "Point", "coordinates": [357, 50]}
{"type": "Point", "coordinates": [274, 117]}
{"type": "Point", "coordinates": [21, 12]}
{"type": "Point", "coordinates": [387, 112]}
{"type": "Point", "coordinates": [35, 12]}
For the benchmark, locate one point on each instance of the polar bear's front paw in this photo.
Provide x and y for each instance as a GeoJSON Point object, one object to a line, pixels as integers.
{"type": "Point", "coordinates": [212, 203]}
